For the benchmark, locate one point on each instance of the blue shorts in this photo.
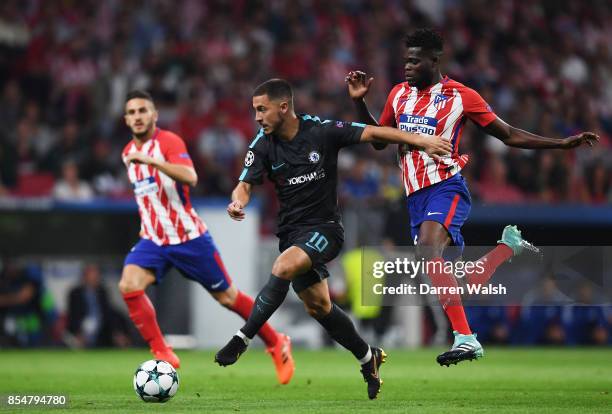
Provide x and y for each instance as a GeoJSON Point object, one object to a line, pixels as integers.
{"type": "Point", "coordinates": [447, 202]}
{"type": "Point", "coordinates": [196, 259]}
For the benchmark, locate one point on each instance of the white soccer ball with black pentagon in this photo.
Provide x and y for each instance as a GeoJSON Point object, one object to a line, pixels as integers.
{"type": "Point", "coordinates": [156, 381]}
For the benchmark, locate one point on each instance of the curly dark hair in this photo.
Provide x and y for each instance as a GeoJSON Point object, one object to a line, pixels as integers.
{"type": "Point", "coordinates": [427, 39]}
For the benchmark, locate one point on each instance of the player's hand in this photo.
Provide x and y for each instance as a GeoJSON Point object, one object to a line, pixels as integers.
{"type": "Point", "coordinates": [436, 146]}
{"type": "Point", "coordinates": [236, 210]}
{"type": "Point", "coordinates": [358, 84]}
{"type": "Point", "coordinates": [139, 158]}
{"type": "Point", "coordinates": [584, 138]}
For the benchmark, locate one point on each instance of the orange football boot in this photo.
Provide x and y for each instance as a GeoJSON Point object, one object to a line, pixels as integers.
{"type": "Point", "coordinates": [283, 360]}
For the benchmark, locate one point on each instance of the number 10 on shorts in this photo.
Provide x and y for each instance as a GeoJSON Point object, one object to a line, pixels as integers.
{"type": "Point", "coordinates": [317, 242]}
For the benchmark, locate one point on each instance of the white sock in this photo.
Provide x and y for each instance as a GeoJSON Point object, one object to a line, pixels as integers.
{"type": "Point", "coordinates": [242, 336]}
{"type": "Point", "coordinates": [367, 357]}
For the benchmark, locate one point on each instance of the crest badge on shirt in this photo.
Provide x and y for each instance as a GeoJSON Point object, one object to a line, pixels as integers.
{"type": "Point", "coordinates": [440, 101]}
{"type": "Point", "coordinates": [314, 157]}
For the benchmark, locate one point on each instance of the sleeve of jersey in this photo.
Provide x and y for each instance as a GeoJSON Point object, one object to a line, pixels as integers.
{"type": "Point", "coordinates": [345, 133]}
{"type": "Point", "coordinates": [387, 118]}
{"type": "Point", "coordinates": [476, 108]}
{"type": "Point", "coordinates": [254, 167]}
{"type": "Point", "coordinates": [175, 151]}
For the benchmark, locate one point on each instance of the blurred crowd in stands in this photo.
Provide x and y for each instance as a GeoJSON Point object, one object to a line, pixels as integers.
{"type": "Point", "coordinates": [65, 68]}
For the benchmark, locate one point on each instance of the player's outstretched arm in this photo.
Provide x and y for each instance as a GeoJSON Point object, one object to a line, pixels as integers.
{"type": "Point", "coordinates": [434, 146]}
{"type": "Point", "coordinates": [515, 137]}
{"type": "Point", "coordinates": [180, 173]}
{"type": "Point", "coordinates": [240, 198]}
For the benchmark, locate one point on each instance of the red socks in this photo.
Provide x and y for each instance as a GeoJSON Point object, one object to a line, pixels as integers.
{"type": "Point", "coordinates": [451, 303]}
{"type": "Point", "coordinates": [491, 262]}
{"type": "Point", "coordinates": [242, 306]}
{"type": "Point", "coordinates": [143, 315]}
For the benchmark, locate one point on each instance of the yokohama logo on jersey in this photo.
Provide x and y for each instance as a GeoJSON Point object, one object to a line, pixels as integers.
{"type": "Point", "coordinates": [441, 109]}
{"type": "Point", "coordinates": [166, 214]}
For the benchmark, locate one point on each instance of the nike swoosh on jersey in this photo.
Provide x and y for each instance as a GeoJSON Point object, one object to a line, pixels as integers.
{"type": "Point", "coordinates": [216, 285]}
{"type": "Point", "coordinates": [434, 213]}
{"type": "Point", "coordinates": [276, 167]}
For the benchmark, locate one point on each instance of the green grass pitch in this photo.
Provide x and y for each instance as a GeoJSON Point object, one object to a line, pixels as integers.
{"type": "Point", "coordinates": [506, 381]}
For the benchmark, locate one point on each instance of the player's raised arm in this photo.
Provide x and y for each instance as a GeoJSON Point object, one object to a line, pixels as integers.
{"type": "Point", "coordinates": [181, 173]}
{"type": "Point", "coordinates": [240, 198]}
{"type": "Point", "coordinates": [358, 86]}
{"type": "Point", "coordinates": [515, 137]}
{"type": "Point", "coordinates": [434, 146]}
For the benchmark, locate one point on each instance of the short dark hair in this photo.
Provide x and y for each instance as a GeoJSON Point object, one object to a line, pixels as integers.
{"type": "Point", "coordinates": [138, 94]}
{"type": "Point", "coordinates": [426, 39]}
{"type": "Point", "coordinates": [275, 89]}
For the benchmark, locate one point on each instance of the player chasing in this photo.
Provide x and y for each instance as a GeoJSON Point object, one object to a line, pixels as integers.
{"type": "Point", "coordinates": [172, 234]}
{"type": "Point", "coordinates": [438, 200]}
{"type": "Point", "coordinates": [300, 154]}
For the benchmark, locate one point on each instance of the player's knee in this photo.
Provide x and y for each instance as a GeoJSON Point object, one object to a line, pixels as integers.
{"type": "Point", "coordinates": [225, 299]}
{"type": "Point", "coordinates": [127, 285]}
{"type": "Point", "coordinates": [132, 281]}
{"type": "Point", "coordinates": [318, 308]}
{"type": "Point", "coordinates": [428, 249]}
{"type": "Point", "coordinates": [284, 269]}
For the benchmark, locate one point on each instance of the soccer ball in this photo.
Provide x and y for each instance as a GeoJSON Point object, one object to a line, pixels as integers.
{"type": "Point", "coordinates": [156, 381]}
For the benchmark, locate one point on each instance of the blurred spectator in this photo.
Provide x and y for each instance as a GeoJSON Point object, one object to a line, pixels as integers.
{"type": "Point", "coordinates": [361, 186]}
{"type": "Point", "coordinates": [586, 323]}
{"type": "Point", "coordinates": [92, 321]}
{"type": "Point", "coordinates": [495, 188]}
{"type": "Point", "coordinates": [8, 166]}
{"type": "Point", "coordinates": [71, 145]}
{"type": "Point", "coordinates": [11, 101]}
{"type": "Point", "coordinates": [27, 310]}
{"type": "Point", "coordinates": [492, 323]}
{"type": "Point", "coordinates": [598, 179]}
{"type": "Point", "coordinates": [219, 147]}
{"type": "Point", "coordinates": [23, 140]}
{"type": "Point", "coordinates": [100, 169]}
{"type": "Point", "coordinates": [70, 187]}
{"type": "Point", "coordinates": [542, 315]}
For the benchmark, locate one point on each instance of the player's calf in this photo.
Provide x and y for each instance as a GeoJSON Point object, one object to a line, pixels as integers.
{"type": "Point", "coordinates": [318, 307]}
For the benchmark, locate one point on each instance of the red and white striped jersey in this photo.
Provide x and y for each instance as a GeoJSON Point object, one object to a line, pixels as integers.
{"type": "Point", "coordinates": [441, 109]}
{"type": "Point", "coordinates": [166, 214]}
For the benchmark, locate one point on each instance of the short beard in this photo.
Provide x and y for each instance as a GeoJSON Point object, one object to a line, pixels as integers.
{"type": "Point", "coordinates": [143, 134]}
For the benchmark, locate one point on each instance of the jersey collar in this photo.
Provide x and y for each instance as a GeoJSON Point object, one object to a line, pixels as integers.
{"type": "Point", "coordinates": [155, 134]}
